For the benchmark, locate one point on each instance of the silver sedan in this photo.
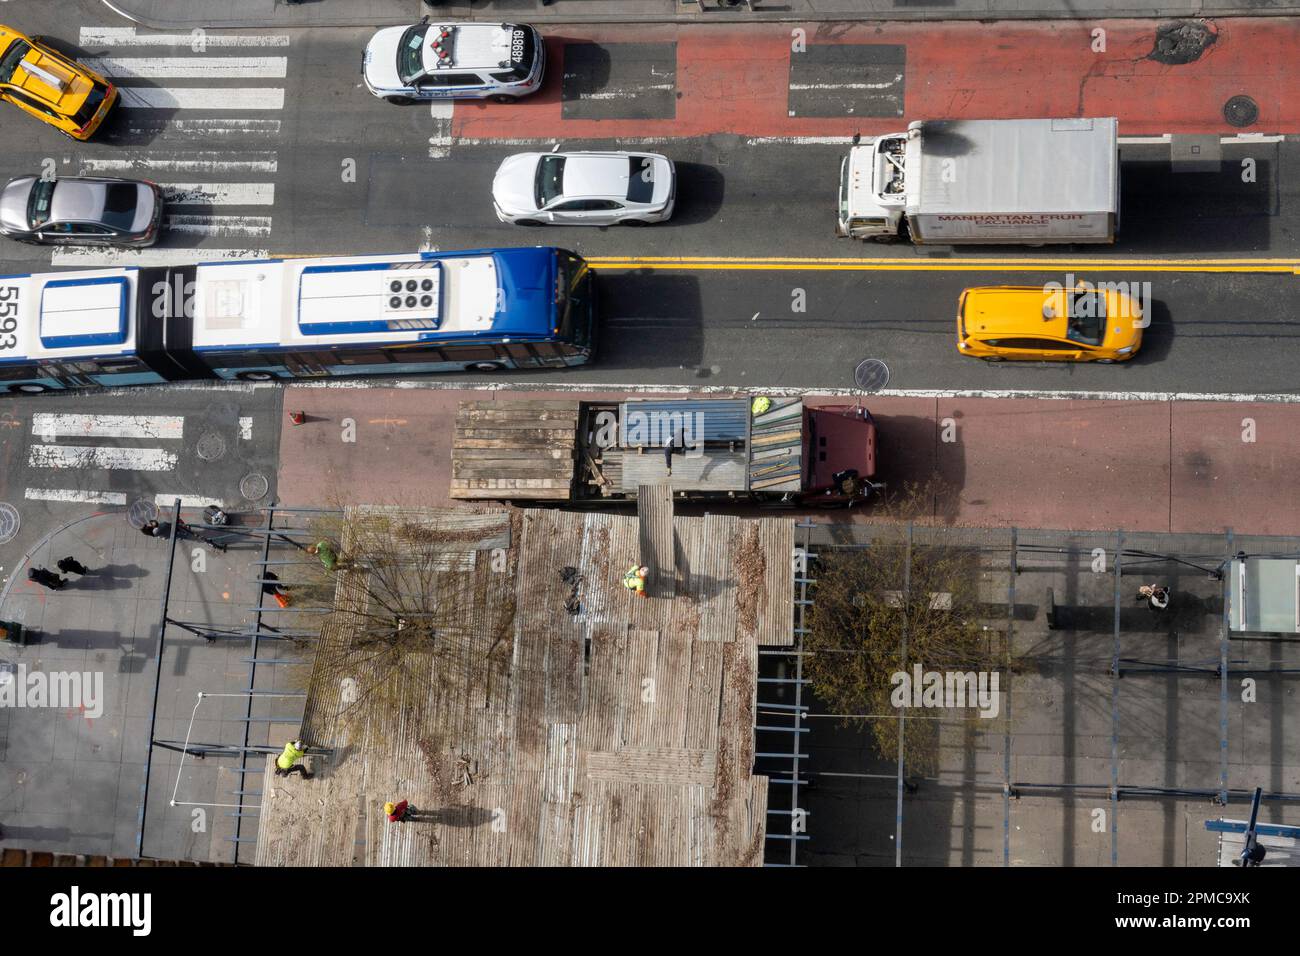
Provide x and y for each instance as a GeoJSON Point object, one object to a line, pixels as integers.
{"type": "Point", "coordinates": [99, 212]}
{"type": "Point", "coordinates": [585, 189]}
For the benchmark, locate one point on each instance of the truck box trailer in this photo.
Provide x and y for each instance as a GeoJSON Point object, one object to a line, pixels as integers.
{"type": "Point", "coordinates": [1029, 182]}
{"type": "Point", "coordinates": [759, 448]}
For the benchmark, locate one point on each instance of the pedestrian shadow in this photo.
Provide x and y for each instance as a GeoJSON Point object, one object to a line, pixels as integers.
{"type": "Point", "coordinates": [111, 577]}
{"type": "Point", "coordinates": [453, 816]}
{"type": "Point", "coordinates": [80, 639]}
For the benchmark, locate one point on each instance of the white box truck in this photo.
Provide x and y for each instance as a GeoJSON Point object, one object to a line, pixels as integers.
{"type": "Point", "coordinates": [1029, 182]}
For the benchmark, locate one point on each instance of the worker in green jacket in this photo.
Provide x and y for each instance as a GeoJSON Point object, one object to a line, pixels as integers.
{"type": "Point", "coordinates": [328, 556]}
{"type": "Point", "coordinates": [287, 762]}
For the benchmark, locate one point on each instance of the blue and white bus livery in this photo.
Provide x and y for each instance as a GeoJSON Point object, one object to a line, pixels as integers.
{"type": "Point", "coordinates": [477, 311]}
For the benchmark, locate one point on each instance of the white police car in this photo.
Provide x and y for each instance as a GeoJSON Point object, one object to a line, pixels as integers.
{"type": "Point", "coordinates": [501, 61]}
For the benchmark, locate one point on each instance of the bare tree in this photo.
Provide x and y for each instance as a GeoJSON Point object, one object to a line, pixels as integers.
{"type": "Point", "coordinates": [415, 604]}
{"type": "Point", "coordinates": [905, 599]}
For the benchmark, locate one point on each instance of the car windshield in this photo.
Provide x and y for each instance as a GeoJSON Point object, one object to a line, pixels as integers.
{"type": "Point", "coordinates": [1087, 317]}
{"type": "Point", "coordinates": [119, 206]}
{"type": "Point", "coordinates": [9, 62]}
{"type": "Point", "coordinates": [640, 179]}
{"type": "Point", "coordinates": [38, 205]}
{"type": "Point", "coordinates": [550, 180]}
{"type": "Point", "coordinates": [410, 53]}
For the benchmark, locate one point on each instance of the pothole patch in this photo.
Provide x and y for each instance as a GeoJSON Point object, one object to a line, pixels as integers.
{"type": "Point", "coordinates": [1180, 42]}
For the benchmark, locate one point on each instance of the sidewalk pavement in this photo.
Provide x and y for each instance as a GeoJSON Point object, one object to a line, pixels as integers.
{"type": "Point", "coordinates": [1185, 466]}
{"type": "Point", "coordinates": [187, 14]}
{"type": "Point", "coordinates": [71, 779]}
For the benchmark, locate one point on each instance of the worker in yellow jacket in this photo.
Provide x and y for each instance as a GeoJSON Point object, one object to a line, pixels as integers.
{"type": "Point", "coordinates": [287, 762]}
{"type": "Point", "coordinates": [634, 580]}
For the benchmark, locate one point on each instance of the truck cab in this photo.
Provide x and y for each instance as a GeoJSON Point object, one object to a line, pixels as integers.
{"type": "Point", "coordinates": [873, 191]}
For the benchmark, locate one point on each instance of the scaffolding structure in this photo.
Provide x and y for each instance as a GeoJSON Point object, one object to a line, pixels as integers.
{"type": "Point", "coordinates": [1017, 552]}
{"type": "Point", "coordinates": [264, 533]}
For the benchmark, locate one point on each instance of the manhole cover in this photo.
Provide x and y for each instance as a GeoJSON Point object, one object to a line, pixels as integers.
{"type": "Point", "coordinates": [9, 523]}
{"type": "Point", "coordinates": [254, 486]}
{"type": "Point", "coordinates": [1241, 111]}
{"type": "Point", "coordinates": [211, 447]}
{"type": "Point", "coordinates": [871, 375]}
{"type": "Point", "coordinates": [141, 512]}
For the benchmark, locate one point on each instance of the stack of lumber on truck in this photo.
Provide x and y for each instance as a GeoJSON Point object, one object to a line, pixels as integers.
{"type": "Point", "coordinates": [516, 449]}
{"type": "Point", "coordinates": [776, 447]}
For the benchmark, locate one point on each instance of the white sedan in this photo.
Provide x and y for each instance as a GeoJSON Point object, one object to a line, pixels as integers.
{"type": "Point", "coordinates": [585, 189]}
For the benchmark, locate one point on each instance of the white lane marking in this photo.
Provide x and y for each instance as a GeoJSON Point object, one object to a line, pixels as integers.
{"type": "Point", "coordinates": [898, 78]}
{"type": "Point", "coordinates": [247, 227]}
{"type": "Point", "coordinates": [187, 501]}
{"type": "Point", "coordinates": [202, 161]}
{"type": "Point", "coordinates": [192, 129]}
{"type": "Point", "coordinates": [201, 98]}
{"type": "Point", "coordinates": [127, 36]}
{"type": "Point", "coordinates": [551, 141]}
{"type": "Point", "coordinates": [1262, 398]}
{"type": "Point", "coordinates": [246, 428]}
{"type": "Point", "coordinates": [625, 94]}
{"type": "Point", "coordinates": [87, 258]}
{"type": "Point", "coordinates": [440, 141]}
{"type": "Point", "coordinates": [798, 140]}
{"type": "Point", "coordinates": [190, 67]}
{"type": "Point", "coordinates": [219, 194]}
{"type": "Point", "coordinates": [100, 456]}
{"type": "Point", "coordinates": [70, 494]}
{"type": "Point", "coordinates": [50, 426]}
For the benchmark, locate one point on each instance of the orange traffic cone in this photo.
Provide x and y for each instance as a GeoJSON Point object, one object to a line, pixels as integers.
{"type": "Point", "coordinates": [297, 417]}
{"type": "Point", "coordinates": [281, 600]}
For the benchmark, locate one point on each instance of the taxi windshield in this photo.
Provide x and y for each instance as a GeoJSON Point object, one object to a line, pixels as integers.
{"type": "Point", "coordinates": [410, 53]}
{"type": "Point", "coordinates": [1087, 312]}
{"type": "Point", "coordinates": [12, 57]}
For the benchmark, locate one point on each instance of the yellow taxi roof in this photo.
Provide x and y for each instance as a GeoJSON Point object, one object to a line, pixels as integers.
{"type": "Point", "coordinates": [50, 78]}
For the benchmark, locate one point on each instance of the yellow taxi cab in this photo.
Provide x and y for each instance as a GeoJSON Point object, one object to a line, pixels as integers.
{"type": "Point", "coordinates": [51, 87]}
{"type": "Point", "coordinates": [1045, 324]}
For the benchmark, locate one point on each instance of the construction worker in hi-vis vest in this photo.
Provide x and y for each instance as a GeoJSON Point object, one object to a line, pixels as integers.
{"type": "Point", "coordinates": [287, 762]}
{"type": "Point", "coordinates": [634, 580]}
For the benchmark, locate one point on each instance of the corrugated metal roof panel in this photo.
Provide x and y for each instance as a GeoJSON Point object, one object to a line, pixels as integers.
{"type": "Point", "coordinates": [655, 423]}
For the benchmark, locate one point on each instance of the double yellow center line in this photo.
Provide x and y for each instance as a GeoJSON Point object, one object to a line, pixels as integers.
{"type": "Point", "coordinates": [973, 264]}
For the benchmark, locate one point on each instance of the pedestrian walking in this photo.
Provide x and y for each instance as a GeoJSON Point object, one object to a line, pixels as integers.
{"type": "Point", "coordinates": [634, 579]}
{"type": "Point", "coordinates": [287, 762]}
{"type": "Point", "coordinates": [46, 578]}
{"type": "Point", "coordinates": [71, 565]}
{"type": "Point", "coordinates": [152, 529]}
{"type": "Point", "coordinates": [1156, 596]}
{"type": "Point", "coordinates": [399, 812]}
{"type": "Point", "coordinates": [328, 556]}
{"type": "Point", "coordinates": [271, 585]}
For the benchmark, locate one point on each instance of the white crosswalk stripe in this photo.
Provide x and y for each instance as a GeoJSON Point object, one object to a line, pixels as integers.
{"type": "Point", "coordinates": [190, 67]}
{"type": "Point", "coordinates": [205, 161]}
{"type": "Point", "coordinates": [204, 103]}
{"type": "Point", "coordinates": [244, 227]}
{"type": "Point", "coordinates": [79, 463]}
{"type": "Point", "coordinates": [88, 257]}
{"type": "Point", "coordinates": [198, 40]}
{"type": "Point", "coordinates": [204, 98]}
{"type": "Point", "coordinates": [219, 194]}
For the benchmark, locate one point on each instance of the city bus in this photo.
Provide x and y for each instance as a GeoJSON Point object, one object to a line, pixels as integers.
{"type": "Point", "coordinates": [266, 320]}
